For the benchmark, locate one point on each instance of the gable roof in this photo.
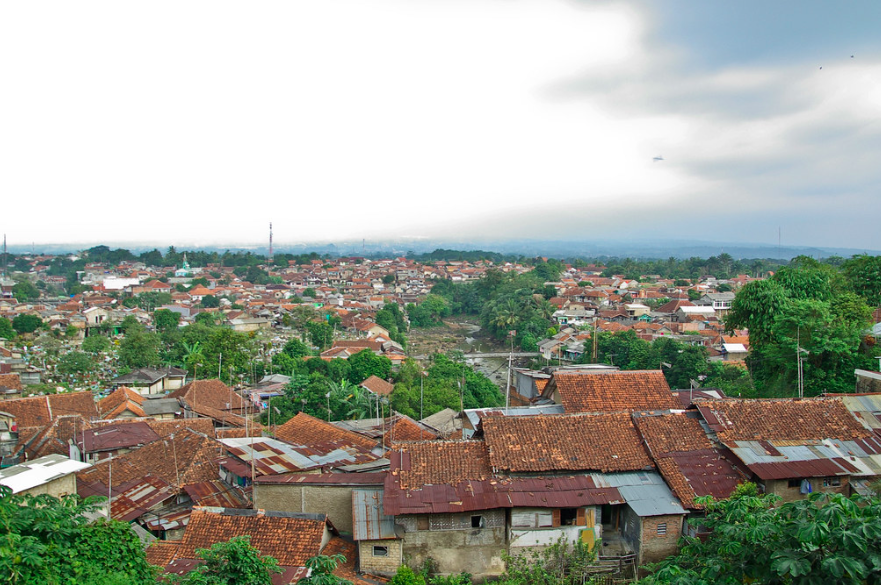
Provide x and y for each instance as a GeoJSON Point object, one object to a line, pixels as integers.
{"type": "Point", "coordinates": [689, 462]}
{"type": "Point", "coordinates": [116, 398]}
{"type": "Point", "coordinates": [308, 430]}
{"type": "Point", "coordinates": [11, 381]}
{"type": "Point", "coordinates": [211, 393]}
{"type": "Point", "coordinates": [290, 538]}
{"type": "Point", "coordinates": [378, 386]}
{"type": "Point", "coordinates": [782, 420]}
{"type": "Point", "coordinates": [612, 391]}
{"type": "Point", "coordinates": [37, 411]}
{"type": "Point", "coordinates": [579, 442]}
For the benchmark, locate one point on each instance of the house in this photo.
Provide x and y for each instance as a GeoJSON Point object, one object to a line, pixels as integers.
{"type": "Point", "coordinates": [152, 380]}
{"type": "Point", "coordinates": [10, 386]}
{"type": "Point", "coordinates": [54, 475]}
{"type": "Point", "coordinates": [307, 430]}
{"type": "Point", "coordinates": [603, 390]}
{"type": "Point", "coordinates": [795, 447]}
{"type": "Point", "coordinates": [325, 493]}
{"type": "Point", "coordinates": [289, 538]}
{"type": "Point", "coordinates": [377, 386]}
{"type": "Point", "coordinates": [379, 545]}
{"type": "Point", "coordinates": [208, 393]}
{"type": "Point", "coordinates": [106, 441]}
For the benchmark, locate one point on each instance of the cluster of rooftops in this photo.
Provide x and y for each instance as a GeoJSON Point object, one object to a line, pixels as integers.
{"type": "Point", "coordinates": [606, 439]}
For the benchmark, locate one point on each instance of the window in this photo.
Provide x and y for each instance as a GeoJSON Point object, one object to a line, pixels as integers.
{"type": "Point", "coordinates": [831, 481]}
{"type": "Point", "coordinates": [421, 522]}
{"type": "Point", "coordinates": [477, 522]}
{"type": "Point", "coordinates": [568, 516]}
{"type": "Point", "coordinates": [380, 551]}
{"type": "Point", "coordinates": [662, 529]}
{"type": "Point", "coordinates": [794, 483]}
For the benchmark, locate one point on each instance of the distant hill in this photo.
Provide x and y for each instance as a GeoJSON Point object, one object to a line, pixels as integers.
{"type": "Point", "coordinates": [531, 248]}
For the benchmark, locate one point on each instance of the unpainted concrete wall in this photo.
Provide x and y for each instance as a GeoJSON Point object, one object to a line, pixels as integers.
{"type": "Point", "coordinates": [335, 501]}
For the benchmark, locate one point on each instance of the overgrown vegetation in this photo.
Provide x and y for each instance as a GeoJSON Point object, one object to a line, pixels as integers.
{"type": "Point", "coordinates": [752, 538]}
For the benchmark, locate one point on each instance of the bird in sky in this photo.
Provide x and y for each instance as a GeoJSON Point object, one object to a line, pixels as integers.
{"type": "Point", "coordinates": [657, 158]}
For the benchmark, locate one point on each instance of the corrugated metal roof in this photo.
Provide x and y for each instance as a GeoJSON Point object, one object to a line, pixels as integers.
{"type": "Point", "coordinates": [139, 496]}
{"type": "Point", "coordinates": [370, 523]}
{"type": "Point", "coordinates": [549, 492]}
{"type": "Point", "coordinates": [809, 468]}
{"type": "Point", "coordinates": [644, 491]}
{"type": "Point", "coordinates": [325, 478]}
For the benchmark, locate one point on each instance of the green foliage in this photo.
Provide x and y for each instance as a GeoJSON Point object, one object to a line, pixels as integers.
{"type": "Point", "coordinates": [732, 379]}
{"type": "Point", "coordinates": [406, 576]}
{"type": "Point", "coordinates": [6, 330]}
{"type": "Point", "coordinates": [165, 319]}
{"type": "Point", "coordinates": [26, 323]}
{"type": "Point", "coordinates": [310, 293]}
{"type": "Point", "coordinates": [365, 363]}
{"type": "Point", "coordinates": [320, 334]}
{"type": "Point", "coordinates": [234, 562]}
{"type": "Point", "coordinates": [25, 291]}
{"type": "Point", "coordinates": [139, 348]}
{"type": "Point", "coordinates": [864, 276]}
{"type": "Point", "coordinates": [440, 387]}
{"type": "Point", "coordinates": [561, 563]}
{"type": "Point", "coordinates": [807, 305]}
{"type": "Point", "coordinates": [755, 539]}
{"type": "Point", "coordinates": [96, 344]}
{"type": "Point", "coordinates": [392, 319]}
{"type": "Point", "coordinates": [321, 571]}
{"type": "Point", "coordinates": [75, 363]}
{"type": "Point", "coordinates": [295, 348]}
{"type": "Point", "coordinates": [209, 302]}
{"type": "Point", "coordinates": [49, 540]}
{"type": "Point", "coordinates": [430, 312]}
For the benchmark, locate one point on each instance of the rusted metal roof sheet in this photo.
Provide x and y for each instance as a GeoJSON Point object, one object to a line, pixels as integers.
{"type": "Point", "coordinates": [214, 493]}
{"type": "Point", "coordinates": [550, 492]}
{"type": "Point", "coordinates": [138, 497]}
{"type": "Point", "coordinates": [708, 473]}
{"type": "Point", "coordinates": [117, 436]}
{"type": "Point", "coordinates": [369, 521]}
{"type": "Point", "coordinates": [807, 468]}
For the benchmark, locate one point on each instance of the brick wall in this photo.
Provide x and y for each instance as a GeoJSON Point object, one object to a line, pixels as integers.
{"type": "Point", "coordinates": [376, 564]}
{"type": "Point", "coordinates": [660, 535]}
{"type": "Point", "coordinates": [334, 501]}
{"type": "Point", "coordinates": [781, 488]}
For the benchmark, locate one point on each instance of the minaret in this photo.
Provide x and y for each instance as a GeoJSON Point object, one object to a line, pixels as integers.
{"type": "Point", "coordinates": [270, 242]}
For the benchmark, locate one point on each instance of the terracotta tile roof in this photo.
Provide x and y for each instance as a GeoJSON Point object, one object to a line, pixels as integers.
{"type": "Point", "coordinates": [161, 553]}
{"type": "Point", "coordinates": [11, 381]}
{"type": "Point", "coordinates": [378, 386]}
{"type": "Point", "coordinates": [37, 411]}
{"type": "Point", "coordinates": [210, 393]}
{"type": "Point", "coordinates": [781, 420]}
{"type": "Point", "coordinates": [117, 397]}
{"type": "Point", "coordinates": [56, 437]}
{"type": "Point", "coordinates": [308, 430]}
{"type": "Point", "coordinates": [581, 442]}
{"type": "Point", "coordinates": [187, 458]}
{"type": "Point", "coordinates": [405, 429]}
{"type": "Point", "coordinates": [672, 433]}
{"type": "Point", "coordinates": [615, 391]}
{"type": "Point", "coordinates": [289, 538]}
{"type": "Point", "coordinates": [127, 406]}
{"type": "Point", "coordinates": [442, 462]}
{"type": "Point", "coordinates": [689, 462]}
{"type": "Point", "coordinates": [164, 428]}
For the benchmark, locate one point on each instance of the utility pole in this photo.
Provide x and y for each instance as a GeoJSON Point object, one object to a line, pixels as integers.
{"type": "Point", "coordinates": [511, 334]}
{"type": "Point", "coordinates": [270, 243]}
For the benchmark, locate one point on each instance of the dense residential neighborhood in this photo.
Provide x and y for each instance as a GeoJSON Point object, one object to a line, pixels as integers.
{"type": "Point", "coordinates": [442, 415]}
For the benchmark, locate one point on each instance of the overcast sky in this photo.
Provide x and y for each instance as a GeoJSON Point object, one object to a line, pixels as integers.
{"type": "Point", "coordinates": [201, 122]}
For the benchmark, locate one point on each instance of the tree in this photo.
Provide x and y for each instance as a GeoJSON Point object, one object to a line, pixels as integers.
{"type": "Point", "coordinates": [139, 348]}
{"type": "Point", "coordinates": [25, 323]}
{"type": "Point", "coordinates": [234, 562]}
{"type": "Point", "coordinates": [49, 540]}
{"type": "Point", "coordinates": [210, 302]}
{"type": "Point", "coordinates": [6, 330]}
{"type": "Point", "coordinates": [310, 293]}
{"type": "Point", "coordinates": [864, 275]}
{"type": "Point", "coordinates": [75, 363]}
{"type": "Point", "coordinates": [320, 334]}
{"type": "Point", "coordinates": [96, 344]}
{"type": "Point", "coordinates": [25, 291]}
{"type": "Point", "coordinates": [754, 539]}
{"type": "Point", "coordinates": [165, 319]}
{"type": "Point", "coordinates": [365, 363]}
{"type": "Point", "coordinates": [321, 571]}
{"type": "Point", "coordinates": [295, 348]}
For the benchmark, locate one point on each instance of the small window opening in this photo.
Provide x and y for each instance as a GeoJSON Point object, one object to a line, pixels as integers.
{"type": "Point", "coordinates": [477, 522]}
{"type": "Point", "coordinates": [380, 551]}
